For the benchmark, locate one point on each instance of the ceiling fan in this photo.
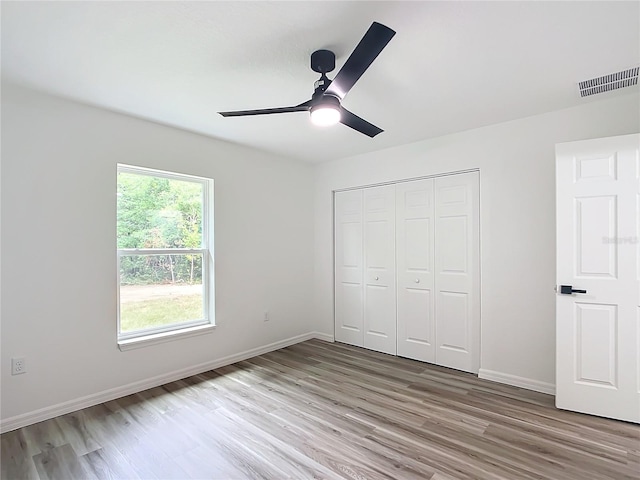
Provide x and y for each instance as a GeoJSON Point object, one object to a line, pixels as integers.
{"type": "Point", "coordinates": [325, 104]}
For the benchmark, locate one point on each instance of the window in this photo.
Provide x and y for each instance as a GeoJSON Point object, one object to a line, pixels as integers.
{"type": "Point", "coordinates": [165, 260]}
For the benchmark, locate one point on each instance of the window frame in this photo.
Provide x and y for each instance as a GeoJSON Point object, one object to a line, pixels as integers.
{"type": "Point", "coordinates": [163, 333]}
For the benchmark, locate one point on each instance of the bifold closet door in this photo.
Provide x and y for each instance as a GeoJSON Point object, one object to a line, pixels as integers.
{"type": "Point", "coordinates": [457, 271]}
{"type": "Point", "coordinates": [349, 269]}
{"type": "Point", "coordinates": [427, 306]}
{"type": "Point", "coordinates": [379, 269]}
{"type": "Point", "coordinates": [415, 269]}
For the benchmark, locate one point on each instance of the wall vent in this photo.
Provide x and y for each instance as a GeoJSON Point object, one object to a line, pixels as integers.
{"type": "Point", "coordinates": [606, 83]}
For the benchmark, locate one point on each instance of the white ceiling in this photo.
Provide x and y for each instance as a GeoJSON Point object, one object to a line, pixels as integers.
{"type": "Point", "coordinates": [452, 66]}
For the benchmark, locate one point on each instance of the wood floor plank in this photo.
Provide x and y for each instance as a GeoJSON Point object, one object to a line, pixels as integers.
{"type": "Point", "coordinates": [389, 461]}
{"type": "Point", "coordinates": [43, 436]}
{"type": "Point", "coordinates": [326, 411]}
{"type": "Point", "coordinates": [75, 431]}
{"type": "Point", "coordinates": [106, 463]}
{"type": "Point", "coordinates": [118, 433]}
{"type": "Point", "coordinates": [15, 459]}
{"type": "Point", "coordinates": [204, 462]}
{"type": "Point", "coordinates": [60, 462]}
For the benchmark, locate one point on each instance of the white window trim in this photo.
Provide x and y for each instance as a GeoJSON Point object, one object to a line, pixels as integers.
{"type": "Point", "coordinates": [156, 338]}
{"type": "Point", "coordinates": [153, 336]}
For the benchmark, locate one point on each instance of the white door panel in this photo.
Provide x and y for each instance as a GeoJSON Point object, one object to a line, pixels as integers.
{"type": "Point", "coordinates": [415, 276]}
{"type": "Point", "coordinates": [595, 328]}
{"type": "Point", "coordinates": [597, 332]}
{"type": "Point", "coordinates": [349, 312]}
{"type": "Point", "coordinates": [457, 271]}
{"type": "Point", "coordinates": [596, 218]}
{"type": "Point", "coordinates": [453, 331]}
{"type": "Point", "coordinates": [379, 269]}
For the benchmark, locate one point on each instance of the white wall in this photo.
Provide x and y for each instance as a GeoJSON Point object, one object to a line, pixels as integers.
{"type": "Point", "coordinates": [58, 248]}
{"type": "Point", "coordinates": [517, 217]}
{"type": "Point", "coordinates": [58, 241]}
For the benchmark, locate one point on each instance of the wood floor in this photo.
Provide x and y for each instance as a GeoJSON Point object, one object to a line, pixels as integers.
{"type": "Point", "coordinates": [320, 410]}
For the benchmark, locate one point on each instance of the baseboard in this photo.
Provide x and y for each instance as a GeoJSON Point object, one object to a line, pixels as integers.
{"type": "Point", "coordinates": [516, 381]}
{"type": "Point", "coordinates": [63, 408]}
{"type": "Point", "coordinates": [327, 337]}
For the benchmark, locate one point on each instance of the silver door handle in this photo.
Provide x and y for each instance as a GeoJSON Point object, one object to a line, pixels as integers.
{"type": "Point", "coordinates": [377, 278]}
{"type": "Point", "coordinates": [417, 280]}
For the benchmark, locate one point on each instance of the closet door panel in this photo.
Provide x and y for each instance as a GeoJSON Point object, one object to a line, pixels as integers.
{"type": "Point", "coordinates": [457, 272]}
{"type": "Point", "coordinates": [379, 269]}
{"type": "Point", "coordinates": [349, 298]}
{"type": "Point", "coordinates": [415, 272]}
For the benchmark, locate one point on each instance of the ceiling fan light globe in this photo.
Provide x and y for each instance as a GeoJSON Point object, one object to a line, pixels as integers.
{"type": "Point", "coordinates": [325, 115]}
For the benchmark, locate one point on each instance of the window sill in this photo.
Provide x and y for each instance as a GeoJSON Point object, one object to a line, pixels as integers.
{"type": "Point", "coordinates": [163, 337]}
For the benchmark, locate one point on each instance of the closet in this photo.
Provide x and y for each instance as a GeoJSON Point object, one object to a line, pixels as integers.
{"type": "Point", "coordinates": [407, 269]}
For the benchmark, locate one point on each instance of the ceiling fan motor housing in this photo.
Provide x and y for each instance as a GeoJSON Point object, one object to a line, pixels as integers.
{"type": "Point", "coordinates": [323, 61]}
{"type": "Point", "coordinates": [325, 101]}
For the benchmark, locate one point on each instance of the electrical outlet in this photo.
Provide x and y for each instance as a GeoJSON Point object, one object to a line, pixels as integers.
{"type": "Point", "coordinates": [266, 316]}
{"type": "Point", "coordinates": [18, 365]}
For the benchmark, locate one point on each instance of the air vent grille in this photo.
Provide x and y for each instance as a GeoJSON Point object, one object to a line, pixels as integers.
{"type": "Point", "coordinates": [606, 83]}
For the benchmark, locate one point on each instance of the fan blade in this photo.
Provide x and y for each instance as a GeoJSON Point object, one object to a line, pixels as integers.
{"type": "Point", "coordinates": [303, 107]}
{"type": "Point", "coordinates": [362, 57]}
{"type": "Point", "coordinates": [352, 120]}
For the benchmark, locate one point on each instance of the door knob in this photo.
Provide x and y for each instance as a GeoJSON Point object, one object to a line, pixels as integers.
{"type": "Point", "coordinates": [417, 280]}
{"type": "Point", "coordinates": [568, 290]}
{"type": "Point", "coordinates": [377, 278]}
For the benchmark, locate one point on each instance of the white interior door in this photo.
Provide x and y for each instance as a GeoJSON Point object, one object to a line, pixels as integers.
{"type": "Point", "coordinates": [598, 333]}
{"type": "Point", "coordinates": [415, 272]}
{"type": "Point", "coordinates": [349, 313]}
{"type": "Point", "coordinates": [379, 271]}
{"type": "Point", "coordinates": [457, 271]}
